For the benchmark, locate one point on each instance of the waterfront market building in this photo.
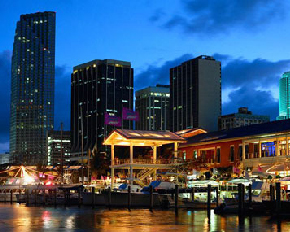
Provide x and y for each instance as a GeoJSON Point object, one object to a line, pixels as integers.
{"type": "Point", "coordinates": [259, 148]}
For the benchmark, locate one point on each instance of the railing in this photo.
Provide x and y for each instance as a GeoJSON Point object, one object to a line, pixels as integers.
{"type": "Point", "coordinates": [147, 161]}
{"type": "Point", "coordinates": [268, 159]}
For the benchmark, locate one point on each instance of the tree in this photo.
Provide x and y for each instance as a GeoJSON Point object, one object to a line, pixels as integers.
{"type": "Point", "coordinates": [100, 163]}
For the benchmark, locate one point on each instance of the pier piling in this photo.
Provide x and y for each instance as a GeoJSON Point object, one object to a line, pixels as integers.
{"type": "Point", "coordinates": [44, 197]}
{"type": "Point", "coordinates": [151, 197]}
{"type": "Point", "coordinates": [11, 196]}
{"type": "Point", "coordinates": [241, 199]}
{"type": "Point", "coordinates": [217, 197]}
{"type": "Point", "coordinates": [250, 195]}
{"type": "Point", "coordinates": [68, 197]}
{"type": "Point", "coordinates": [272, 193]}
{"type": "Point", "coordinates": [79, 197]}
{"type": "Point", "coordinates": [55, 195]}
{"type": "Point", "coordinates": [192, 194]}
{"type": "Point", "coordinates": [35, 196]}
{"type": "Point", "coordinates": [129, 197]}
{"type": "Point", "coordinates": [27, 196]}
{"type": "Point", "coordinates": [208, 201]}
{"type": "Point", "coordinates": [109, 198]}
{"type": "Point", "coordinates": [278, 198]}
{"type": "Point", "coordinates": [176, 198]}
{"type": "Point", "coordinates": [93, 197]}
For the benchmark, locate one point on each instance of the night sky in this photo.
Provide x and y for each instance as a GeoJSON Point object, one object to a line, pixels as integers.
{"type": "Point", "coordinates": [249, 37]}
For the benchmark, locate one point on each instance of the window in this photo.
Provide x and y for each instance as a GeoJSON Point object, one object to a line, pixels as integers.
{"type": "Point", "coordinates": [256, 150]}
{"type": "Point", "coordinates": [195, 154]}
{"type": "Point", "coordinates": [247, 151]}
{"type": "Point", "coordinates": [232, 154]}
{"type": "Point", "coordinates": [218, 155]}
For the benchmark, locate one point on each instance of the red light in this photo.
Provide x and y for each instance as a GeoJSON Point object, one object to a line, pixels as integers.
{"type": "Point", "coordinates": [48, 183]}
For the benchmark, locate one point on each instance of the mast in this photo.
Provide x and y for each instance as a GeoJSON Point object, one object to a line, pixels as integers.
{"type": "Point", "coordinates": [61, 152]}
{"type": "Point", "coordinates": [82, 129]}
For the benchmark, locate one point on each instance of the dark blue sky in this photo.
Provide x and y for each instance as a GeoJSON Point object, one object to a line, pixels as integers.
{"type": "Point", "coordinates": [249, 37]}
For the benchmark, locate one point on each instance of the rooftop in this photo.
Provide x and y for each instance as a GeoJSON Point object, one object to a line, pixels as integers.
{"type": "Point", "coordinates": [123, 137]}
{"type": "Point", "coordinates": [273, 127]}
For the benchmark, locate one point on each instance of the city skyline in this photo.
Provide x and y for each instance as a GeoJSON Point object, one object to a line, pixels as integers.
{"type": "Point", "coordinates": [160, 38]}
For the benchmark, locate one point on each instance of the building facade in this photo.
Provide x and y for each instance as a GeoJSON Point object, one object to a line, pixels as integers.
{"type": "Point", "coordinates": [5, 158]}
{"type": "Point", "coordinates": [244, 117]}
{"type": "Point", "coordinates": [152, 103]}
{"type": "Point", "coordinates": [58, 147]}
{"type": "Point", "coordinates": [258, 147]}
{"type": "Point", "coordinates": [32, 87]}
{"type": "Point", "coordinates": [98, 87]}
{"type": "Point", "coordinates": [284, 97]}
{"type": "Point", "coordinates": [195, 94]}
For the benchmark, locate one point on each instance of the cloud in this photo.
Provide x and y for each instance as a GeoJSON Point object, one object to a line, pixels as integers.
{"type": "Point", "coordinates": [221, 16]}
{"type": "Point", "coordinates": [62, 97]}
{"type": "Point", "coordinates": [5, 73]}
{"type": "Point", "coordinates": [258, 72]}
{"type": "Point", "coordinates": [260, 102]}
{"type": "Point", "coordinates": [158, 14]}
{"type": "Point", "coordinates": [158, 75]}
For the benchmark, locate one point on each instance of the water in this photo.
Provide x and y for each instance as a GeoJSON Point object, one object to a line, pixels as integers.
{"type": "Point", "coordinates": [27, 219]}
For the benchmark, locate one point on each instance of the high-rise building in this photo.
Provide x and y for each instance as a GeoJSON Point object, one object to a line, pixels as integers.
{"type": "Point", "coordinates": [195, 94]}
{"type": "Point", "coordinates": [5, 158]}
{"type": "Point", "coordinates": [32, 87]}
{"type": "Point", "coordinates": [98, 87]}
{"type": "Point", "coordinates": [243, 117]}
{"type": "Point", "coordinates": [284, 97]}
{"type": "Point", "coordinates": [58, 147]}
{"type": "Point", "coordinates": [152, 103]}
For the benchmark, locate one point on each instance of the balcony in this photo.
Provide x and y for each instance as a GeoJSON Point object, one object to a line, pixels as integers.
{"type": "Point", "coordinates": [146, 163]}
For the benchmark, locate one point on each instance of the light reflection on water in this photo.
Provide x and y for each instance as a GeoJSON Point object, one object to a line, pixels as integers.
{"type": "Point", "coordinates": [21, 218]}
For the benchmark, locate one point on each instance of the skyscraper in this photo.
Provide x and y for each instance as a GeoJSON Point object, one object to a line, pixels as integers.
{"type": "Point", "coordinates": [152, 103]}
{"type": "Point", "coordinates": [195, 94]}
{"type": "Point", "coordinates": [98, 87]}
{"type": "Point", "coordinates": [32, 87]}
{"type": "Point", "coordinates": [58, 147]}
{"type": "Point", "coordinates": [284, 97]}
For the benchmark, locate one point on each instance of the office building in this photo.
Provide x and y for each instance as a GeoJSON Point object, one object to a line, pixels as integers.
{"type": "Point", "coordinates": [98, 87]}
{"type": "Point", "coordinates": [32, 87]}
{"type": "Point", "coordinates": [4, 158]}
{"type": "Point", "coordinates": [195, 94]}
{"type": "Point", "coordinates": [58, 147]}
{"type": "Point", "coordinates": [243, 117]}
{"type": "Point", "coordinates": [284, 97]}
{"type": "Point", "coordinates": [152, 103]}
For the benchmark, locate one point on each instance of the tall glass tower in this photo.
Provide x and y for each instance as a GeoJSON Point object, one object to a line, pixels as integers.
{"type": "Point", "coordinates": [284, 97]}
{"type": "Point", "coordinates": [32, 87]}
{"type": "Point", "coordinates": [98, 87]}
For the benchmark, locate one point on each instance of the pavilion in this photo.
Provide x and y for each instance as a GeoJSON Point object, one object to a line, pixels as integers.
{"type": "Point", "coordinates": [131, 138]}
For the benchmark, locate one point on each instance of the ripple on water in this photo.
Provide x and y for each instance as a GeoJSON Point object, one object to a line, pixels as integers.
{"type": "Point", "coordinates": [26, 219]}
